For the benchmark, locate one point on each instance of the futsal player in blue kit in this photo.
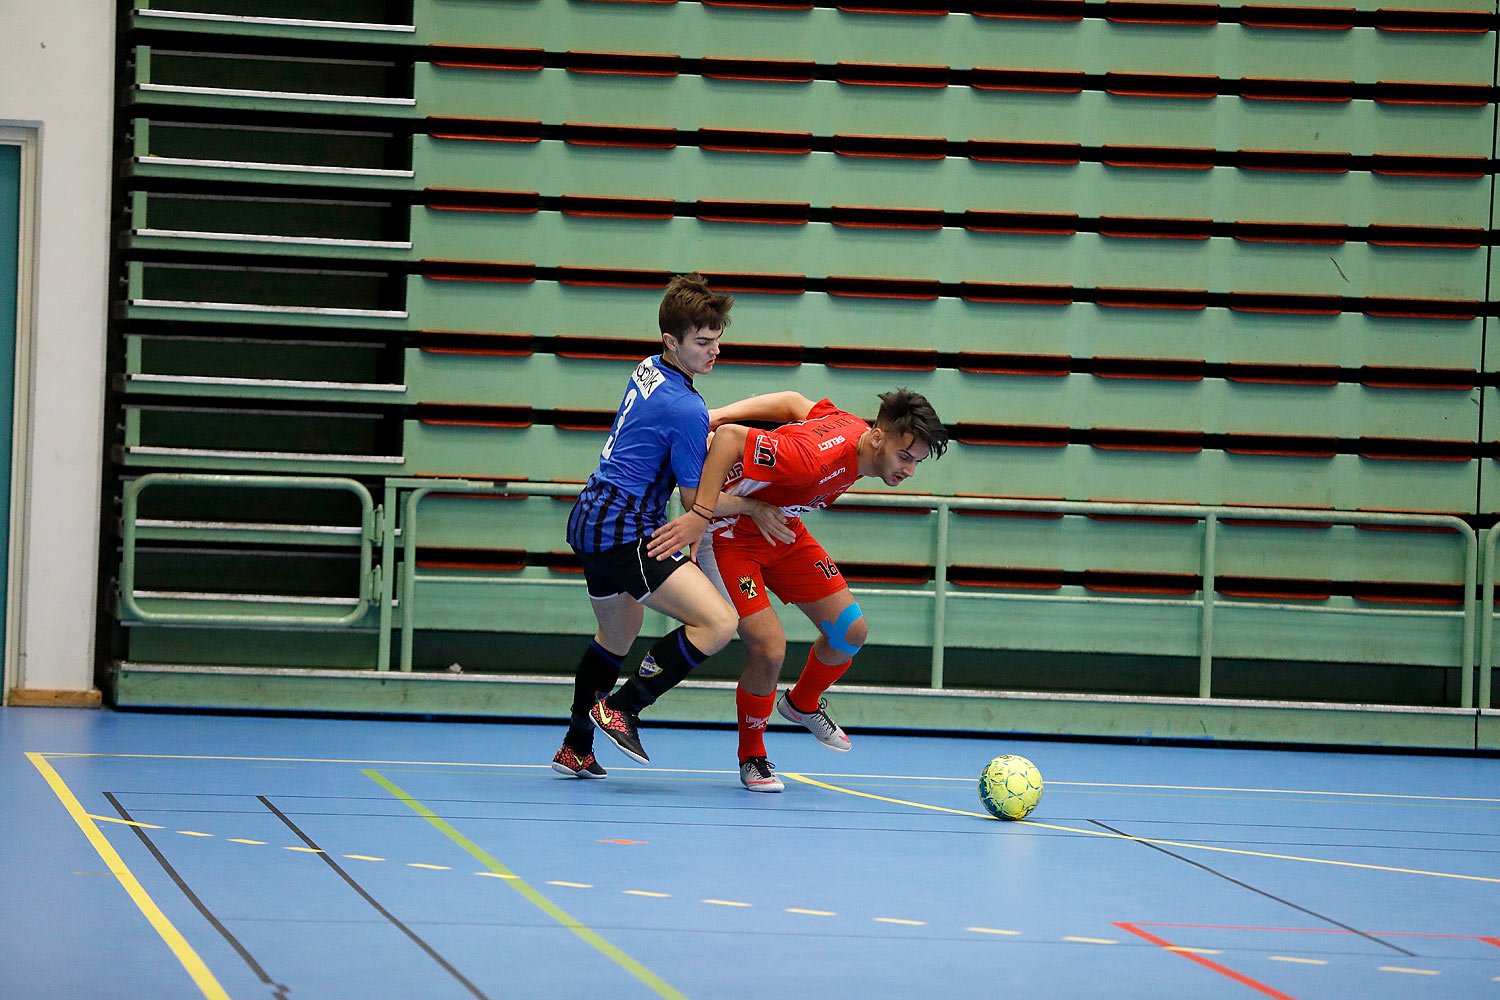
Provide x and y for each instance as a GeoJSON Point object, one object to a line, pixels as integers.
{"type": "Point", "coordinates": [658, 441]}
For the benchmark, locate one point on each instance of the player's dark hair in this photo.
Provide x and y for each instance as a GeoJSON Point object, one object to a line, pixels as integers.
{"type": "Point", "coordinates": [907, 412]}
{"type": "Point", "coordinates": [690, 303]}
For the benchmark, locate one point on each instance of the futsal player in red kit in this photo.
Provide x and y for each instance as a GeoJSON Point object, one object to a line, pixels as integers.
{"type": "Point", "coordinates": [808, 462]}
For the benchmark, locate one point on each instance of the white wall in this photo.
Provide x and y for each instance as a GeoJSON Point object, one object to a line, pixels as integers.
{"type": "Point", "coordinates": [57, 72]}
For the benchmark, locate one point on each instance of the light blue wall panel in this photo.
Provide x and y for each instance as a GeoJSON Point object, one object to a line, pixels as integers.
{"type": "Point", "coordinates": [11, 193]}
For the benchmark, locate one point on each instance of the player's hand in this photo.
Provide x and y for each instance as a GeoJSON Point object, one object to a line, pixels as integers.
{"type": "Point", "coordinates": [671, 537]}
{"type": "Point", "coordinates": [715, 419]}
{"type": "Point", "coordinates": [771, 522]}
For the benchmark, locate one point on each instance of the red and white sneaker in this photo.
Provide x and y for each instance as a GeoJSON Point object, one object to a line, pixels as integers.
{"type": "Point", "coordinates": [819, 723]}
{"type": "Point", "coordinates": [759, 775]}
{"type": "Point", "coordinates": [570, 762]}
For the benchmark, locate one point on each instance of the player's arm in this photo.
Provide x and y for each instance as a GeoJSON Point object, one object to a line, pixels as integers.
{"type": "Point", "coordinates": [698, 502]}
{"type": "Point", "coordinates": [774, 407]}
{"type": "Point", "coordinates": [768, 518]}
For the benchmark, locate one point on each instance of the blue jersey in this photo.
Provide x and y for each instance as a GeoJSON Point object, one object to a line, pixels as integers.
{"type": "Point", "coordinates": [659, 439]}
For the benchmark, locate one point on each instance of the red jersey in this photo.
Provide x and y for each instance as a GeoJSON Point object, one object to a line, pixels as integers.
{"type": "Point", "coordinates": [797, 467]}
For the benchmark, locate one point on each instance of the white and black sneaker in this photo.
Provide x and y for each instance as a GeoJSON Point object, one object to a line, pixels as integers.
{"type": "Point", "coordinates": [818, 722]}
{"type": "Point", "coordinates": [759, 775]}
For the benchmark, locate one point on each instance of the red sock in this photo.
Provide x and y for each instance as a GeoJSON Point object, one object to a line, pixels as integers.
{"type": "Point", "coordinates": [754, 712]}
{"type": "Point", "coordinates": [817, 677]}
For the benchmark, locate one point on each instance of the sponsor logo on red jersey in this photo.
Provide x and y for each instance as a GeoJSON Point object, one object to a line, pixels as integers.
{"type": "Point", "coordinates": [765, 451]}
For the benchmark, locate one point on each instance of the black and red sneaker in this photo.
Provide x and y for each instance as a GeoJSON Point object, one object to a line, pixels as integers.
{"type": "Point", "coordinates": [578, 765]}
{"type": "Point", "coordinates": [620, 726]}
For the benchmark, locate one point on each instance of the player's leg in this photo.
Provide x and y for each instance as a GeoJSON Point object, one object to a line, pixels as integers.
{"type": "Point", "coordinates": [708, 621]}
{"type": "Point", "coordinates": [807, 577]}
{"type": "Point", "coordinates": [619, 617]}
{"type": "Point", "coordinates": [841, 632]}
{"type": "Point", "coordinates": [686, 594]}
{"type": "Point", "coordinates": [765, 652]}
{"type": "Point", "coordinates": [739, 561]}
{"type": "Point", "coordinates": [755, 697]}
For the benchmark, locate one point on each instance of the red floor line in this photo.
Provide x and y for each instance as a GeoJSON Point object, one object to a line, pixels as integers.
{"type": "Point", "coordinates": [1242, 927]}
{"type": "Point", "coordinates": [1222, 970]}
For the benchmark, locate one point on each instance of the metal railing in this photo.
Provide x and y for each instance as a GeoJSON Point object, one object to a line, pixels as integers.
{"type": "Point", "coordinates": [379, 583]}
{"type": "Point", "coordinates": [940, 593]}
{"type": "Point", "coordinates": [420, 489]}
{"type": "Point", "coordinates": [370, 527]}
{"type": "Point", "coordinates": [1487, 603]}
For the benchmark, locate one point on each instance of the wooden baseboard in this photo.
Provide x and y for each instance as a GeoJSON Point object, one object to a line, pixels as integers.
{"type": "Point", "coordinates": [43, 698]}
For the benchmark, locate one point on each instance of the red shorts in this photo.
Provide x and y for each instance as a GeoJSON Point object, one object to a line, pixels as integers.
{"type": "Point", "coordinates": [748, 569]}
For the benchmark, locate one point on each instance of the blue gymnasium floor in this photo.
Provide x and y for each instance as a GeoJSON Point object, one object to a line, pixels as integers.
{"type": "Point", "coordinates": [327, 858]}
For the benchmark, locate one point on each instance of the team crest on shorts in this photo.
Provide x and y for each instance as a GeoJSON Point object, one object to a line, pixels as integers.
{"type": "Point", "coordinates": [747, 587]}
{"type": "Point", "coordinates": [648, 667]}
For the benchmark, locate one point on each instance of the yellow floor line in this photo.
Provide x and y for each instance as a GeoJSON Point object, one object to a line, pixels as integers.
{"type": "Point", "coordinates": [1142, 840]}
{"type": "Point", "coordinates": [1170, 788]}
{"type": "Point", "coordinates": [191, 962]}
{"type": "Point", "coordinates": [122, 822]}
{"type": "Point", "coordinates": [654, 982]}
{"type": "Point", "coordinates": [1273, 791]}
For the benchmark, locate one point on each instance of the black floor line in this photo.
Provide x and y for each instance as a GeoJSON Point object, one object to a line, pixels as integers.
{"type": "Point", "coordinates": [278, 990]}
{"type": "Point", "coordinates": [1245, 885]}
{"type": "Point", "coordinates": [387, 914]}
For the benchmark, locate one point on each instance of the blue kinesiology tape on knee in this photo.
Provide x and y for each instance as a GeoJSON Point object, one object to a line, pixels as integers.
{"type": "Point", "coordinates": [837, 630]}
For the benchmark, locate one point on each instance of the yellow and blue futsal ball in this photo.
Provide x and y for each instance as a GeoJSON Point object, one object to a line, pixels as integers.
{"type": "Point", "coordinates": [1010, 786]}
